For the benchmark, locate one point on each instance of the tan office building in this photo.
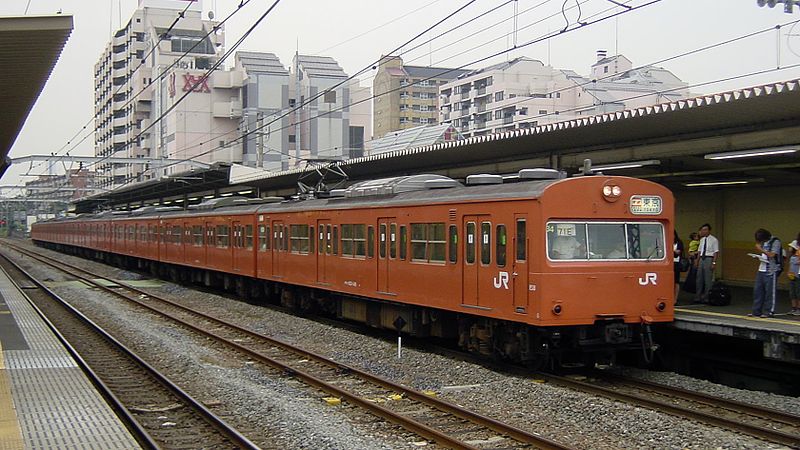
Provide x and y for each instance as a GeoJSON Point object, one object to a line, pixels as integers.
{"type": "Point", "coordinates": [407, 96]}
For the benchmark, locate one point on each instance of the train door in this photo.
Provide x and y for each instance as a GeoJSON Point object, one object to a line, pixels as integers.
{"type": "Point", "coordinates": [278, 249]}
{"type": "Point", "coordinates": [264, 262]}
{"type": "Point", "coordinates": [387, 253]}
{"type": "Point", "coordinates": [477, 259]}
{"type": "Point", "coordinates": [237, 244]}
{"type": "Point", "coordinates": [519, 269]}
{"type": "Point", "coordinates": [324, 250]}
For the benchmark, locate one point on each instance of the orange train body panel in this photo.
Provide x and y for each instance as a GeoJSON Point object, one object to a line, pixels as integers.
{"type": "Point", "coordinates": [488, 251]}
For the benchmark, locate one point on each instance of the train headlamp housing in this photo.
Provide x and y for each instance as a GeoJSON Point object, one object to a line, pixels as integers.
{"type": "Point", "coordinates": [611, 192]}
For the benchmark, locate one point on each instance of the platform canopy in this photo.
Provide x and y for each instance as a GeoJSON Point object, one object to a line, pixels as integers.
{"type": "Point", "coordinates": [29, 49]}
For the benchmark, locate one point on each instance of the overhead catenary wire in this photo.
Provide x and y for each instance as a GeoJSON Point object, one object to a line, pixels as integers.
{"type": "Point", "coordinates": [202, 79]}
{"type": "Point", "coordinates": [181, 15]}
{"type": "Point", "coordinates": [320, 94]}
{"type": "Point", "coordinates": [531, 42]}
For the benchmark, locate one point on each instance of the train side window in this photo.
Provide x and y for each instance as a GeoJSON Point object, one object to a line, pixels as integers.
{"type": "Point", "coordinates": [197, 235]}
{"type": "Point", "coordinates": [382, 242]}
{"type": "Point", "coordinates": [263, 238]}
{"type": "Point", "coordinates": [299, 238]}
{"type": "Point", "coordinates": [452, 244]}
{"type": "Point", "coordinates": [371, 241]}
{"type": "Point", "coordinates": [522, 238]}
{"type": "Point", "coordinates": [469, 243]}
{"type": "Point", "coordinates": [393, 241]}
{"type": "Point", "coordinates": [419, 241]}
{"type": "Point", "coordinates": [500, 252]}
{"type": "Point", "coordinates": [275, 238]}
{"type": "Point", "coordinates": [311, 238]}
{"type": "Point", "coordinates": [486, 244]}
{"type": "Point", "coordinates": [403, 242]}
{"type": "Point", "coordinates": [285, 238]}
{"type": "Point", "coordinates": [321, 240]}
{"type": "Point", "coordinates": [336, 239]}
{"type": "Point", "coordinates": [223, 236]}
{"type": "Point", "coordinates": [248, 237]}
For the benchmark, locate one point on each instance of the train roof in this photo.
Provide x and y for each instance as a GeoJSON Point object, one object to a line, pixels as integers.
{"type": "Point", "coordinates": [397, 191]}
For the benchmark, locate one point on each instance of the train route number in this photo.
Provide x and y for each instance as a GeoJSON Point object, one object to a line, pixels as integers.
{"type": "Point", "coordinates": [649, 277]}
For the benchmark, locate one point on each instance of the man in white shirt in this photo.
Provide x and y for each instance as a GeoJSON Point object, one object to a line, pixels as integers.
{"type": "Point", "coordinates": [708, 252]}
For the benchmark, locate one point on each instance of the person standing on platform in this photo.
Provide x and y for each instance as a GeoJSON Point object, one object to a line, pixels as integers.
{"type": "Point", "coordinates": [677, 254]}
{"type": "Point", "coordinates": [794, 277]}
{"type": "Point", "coordinates": [767, 248]}
{"type": "Point", "coordinates": [694, 246]}
{"type": "Point", "coordinates": [706, 263]}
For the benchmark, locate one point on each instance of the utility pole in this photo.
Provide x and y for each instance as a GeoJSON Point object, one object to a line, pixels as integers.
{"type": "Point", "coordinates": [259, 140]}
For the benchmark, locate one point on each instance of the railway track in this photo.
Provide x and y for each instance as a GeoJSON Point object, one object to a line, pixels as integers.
{"type": "Point", "coordinates": [447, 424]}
{"type": "Point", "coordinates": [158, 413]}
{"type": "Point", "coordinates": [757, 421]}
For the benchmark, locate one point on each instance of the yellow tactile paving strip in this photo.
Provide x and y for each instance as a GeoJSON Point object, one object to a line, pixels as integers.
{"type": "Point", "coordinates": [10, 434]}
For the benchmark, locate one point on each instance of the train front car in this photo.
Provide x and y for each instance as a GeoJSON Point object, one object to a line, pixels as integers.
{"type": "Point", "coordinates": [606, 267]}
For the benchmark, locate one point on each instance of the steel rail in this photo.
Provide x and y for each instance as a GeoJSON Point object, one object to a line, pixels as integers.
{"type": "Point", "coordinates": [716, 402]}
{"type": "Point", "coordinates": [421, 429]}
{"type": "Point", "coordinates": [219, 424]}
{"type": "Point", "coordinates": [767, 434]}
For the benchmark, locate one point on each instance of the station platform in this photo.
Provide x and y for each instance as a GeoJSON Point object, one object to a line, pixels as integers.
{"type": "Point", "coordinates": [46, 401]}
{"type": "Point", "coordinates": [779, 335]}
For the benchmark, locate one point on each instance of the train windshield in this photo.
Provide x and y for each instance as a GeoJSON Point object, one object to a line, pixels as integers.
{"type": "Point", "coordinates": [610, 241]}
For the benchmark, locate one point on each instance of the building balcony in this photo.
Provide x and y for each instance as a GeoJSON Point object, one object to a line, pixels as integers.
{"type": "Point", "coordinates": [227, 110]}
{"type": "Point", "coordinates": [480, 91]}
{"type": "Point", "coordinates": [227, 79]}
{"type": "Point", "coordinates": [119, 122]}
{"type": "Point", "coordinates": [508, 119]}
{"type": "Point", "coordinates": [120, 139]}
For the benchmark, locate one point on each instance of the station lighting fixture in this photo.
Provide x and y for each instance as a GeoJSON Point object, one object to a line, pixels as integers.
{"type": "Point", "coordinates": [208, 196]}
{"type": "Point", "coordinates": [754, 152]}
{"type": "Point", "coordinates": [625, 165]}
{"type": "Point", "coordinates": [194, 198]}
{"type": "Point", "coordinates": [245, 192]}
{"type": "Point", "coordinates": [227, 194]}
{"type": "Point", "coordinates": [723, 182]}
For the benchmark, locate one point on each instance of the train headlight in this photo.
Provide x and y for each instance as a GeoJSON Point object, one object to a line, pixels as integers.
{"type": "Point", "coordinates": [661, 306]}
{"type": "Point", "coordinates": [557, 309]}
{"type": "Point", "coordinates": [611, 192]}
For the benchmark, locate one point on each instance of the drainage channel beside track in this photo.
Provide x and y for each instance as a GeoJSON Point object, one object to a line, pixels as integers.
{"type": "Point", "coordinates": [157, 411]}
{"type": "Point", "coordinates": [447, 424]}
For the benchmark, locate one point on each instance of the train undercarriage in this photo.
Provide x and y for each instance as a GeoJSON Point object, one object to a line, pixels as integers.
{"type": "Point", "coordinates": [546, 348]}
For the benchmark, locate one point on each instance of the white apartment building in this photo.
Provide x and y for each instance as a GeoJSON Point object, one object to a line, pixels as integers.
{"type": "Point", "coordinates": [134, 86]}
{"type": "Point", "coordinates": [524, 93]}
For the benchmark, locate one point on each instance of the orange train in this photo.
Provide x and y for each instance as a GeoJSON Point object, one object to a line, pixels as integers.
{"type": "Point", "coordinates": [535, 267]}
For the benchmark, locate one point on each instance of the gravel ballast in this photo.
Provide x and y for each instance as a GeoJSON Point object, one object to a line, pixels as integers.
{"type": "Point", "coordinates": [300, 420]}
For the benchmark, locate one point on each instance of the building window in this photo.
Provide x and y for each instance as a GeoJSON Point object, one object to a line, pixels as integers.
{"type": "Point", "coordinates": [523, 111]}
{"type": "Point", "coordinates": [558, 94]}
{"type": "Point", "coordinates": [542, 111]}
{"type": "Point", "coordinates": [403, 120]}
{"type": "Point", "coordinates": [292, 138]}
{"type": "Point", "coordinates": [605, 69]}
{"type": "Point", "coordinates": [498, 114]}
{"type": "Point", "coordinates": [292, 102]}
{"type": "Point", "coordinates": [404, 107]}
{"type": "Point", "coordinates": [498, 96]}
{"type": "Point", "coordinates": [330, 97]}
{"type": "Point", "coordinates": [424, 108]}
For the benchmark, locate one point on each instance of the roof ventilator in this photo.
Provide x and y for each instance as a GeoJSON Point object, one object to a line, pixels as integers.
{"type": "Point", "coordinates": [541, 174]}
{"type": "Point", "coordinates": [397, 185]}
{"type": "Point", "coordinates": [484, 178]}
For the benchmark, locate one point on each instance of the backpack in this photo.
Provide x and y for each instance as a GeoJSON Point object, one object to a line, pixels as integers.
{"type": "Point", "coordinates": [719, 294]}
{"type": "Point", "coordinates": [780, 256]}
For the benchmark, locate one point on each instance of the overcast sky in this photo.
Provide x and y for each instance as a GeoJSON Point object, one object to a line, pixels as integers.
{"type": "Point", "coordinates": [356, 33]}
